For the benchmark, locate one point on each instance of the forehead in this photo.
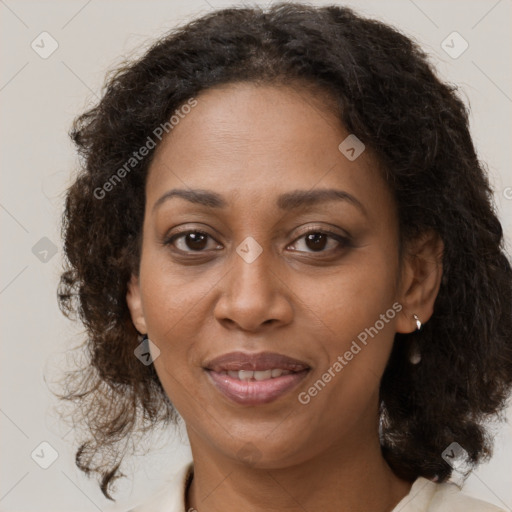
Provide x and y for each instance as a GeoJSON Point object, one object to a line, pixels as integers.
{"type": "Point", "coordinates": [253, 142]}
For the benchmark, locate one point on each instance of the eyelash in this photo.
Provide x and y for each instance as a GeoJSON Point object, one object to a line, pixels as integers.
{"type": "Point", "coordinates": [343, 241]}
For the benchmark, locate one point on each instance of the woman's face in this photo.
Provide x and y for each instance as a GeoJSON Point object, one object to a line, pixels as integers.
{"type": "Point", "coordinates": [257, 282]}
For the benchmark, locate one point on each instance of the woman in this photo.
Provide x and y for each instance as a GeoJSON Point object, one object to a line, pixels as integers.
{"type": "Point", "coordinates": [282, 232]}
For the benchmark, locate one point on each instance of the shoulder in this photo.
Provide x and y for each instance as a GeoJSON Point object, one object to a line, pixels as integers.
{"type": "Point", "coordinates": [428, 496]}
{"type": "Point", "coordinates": [171, 498]}
{"type": "Point", "coordinates": [449, 497]}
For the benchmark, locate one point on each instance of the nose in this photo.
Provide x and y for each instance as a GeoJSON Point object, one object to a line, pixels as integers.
{"type": "Point", "coordinates": [253, 295]}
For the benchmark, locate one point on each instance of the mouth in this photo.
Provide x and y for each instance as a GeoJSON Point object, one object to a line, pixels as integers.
{"type": "Point", "coordinates": [255, 379]}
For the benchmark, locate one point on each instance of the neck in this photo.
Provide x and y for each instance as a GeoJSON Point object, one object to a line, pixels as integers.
{"type": "Point", "coordinates": [352, 478]}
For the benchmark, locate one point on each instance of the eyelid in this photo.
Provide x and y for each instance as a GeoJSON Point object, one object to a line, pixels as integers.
{"type": "Point", "coordinates": [321, 229]}
{"type": "Point", "coordinates": [343, 241]}
{"type": "Point", "coordinates": [169, 239]}
{"type": "Point", "coordinates": [301, 231]}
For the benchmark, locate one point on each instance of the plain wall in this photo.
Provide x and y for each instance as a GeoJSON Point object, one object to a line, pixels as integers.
{"type": "Point", "coordinates": [38, 100]}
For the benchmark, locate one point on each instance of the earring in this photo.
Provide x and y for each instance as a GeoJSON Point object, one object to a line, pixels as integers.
{"type": "Point", "coordinates": [415, 354]}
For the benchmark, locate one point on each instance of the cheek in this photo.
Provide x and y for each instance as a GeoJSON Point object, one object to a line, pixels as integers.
{"type": "Point", "coordinates": [174, 313]}
{"type": "Point", "coordinates": [358, 308]}
{"type": "Point", "coordinates": [174, 309]}
{"type": "Point", "coordinates": [358, 292]}
{"type": "Point", "coordinates": [172, 294]}
{"type": "Point", "coordinates": [345, 386]}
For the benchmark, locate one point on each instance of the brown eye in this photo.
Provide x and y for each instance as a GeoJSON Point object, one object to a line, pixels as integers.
{"type": "Point", "coordinates": [318, 241]}
{"type": "Point", "coordinates": [190, 241]}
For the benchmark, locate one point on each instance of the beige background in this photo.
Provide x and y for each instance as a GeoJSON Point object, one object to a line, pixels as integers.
{"type": "Point", "coordinates": [39, 98]}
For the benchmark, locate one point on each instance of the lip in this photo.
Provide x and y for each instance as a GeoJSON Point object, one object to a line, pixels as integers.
{"type": "Point", "coordinates": [255, 392]}
{"type": "Point", "coordinates": [261, 361]}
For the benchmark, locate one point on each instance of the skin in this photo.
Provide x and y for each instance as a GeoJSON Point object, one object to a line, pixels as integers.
{"type": "Point", "coordinates": [250, 143]}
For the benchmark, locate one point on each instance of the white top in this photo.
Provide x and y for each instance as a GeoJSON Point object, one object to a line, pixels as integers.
{"type": "Point", "coordinates": [424, 496]}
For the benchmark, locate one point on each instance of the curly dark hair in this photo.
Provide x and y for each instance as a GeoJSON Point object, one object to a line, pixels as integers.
{"type": "Point", "coordinates": [388, 94]}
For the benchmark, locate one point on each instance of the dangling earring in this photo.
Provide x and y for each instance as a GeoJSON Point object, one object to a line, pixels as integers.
{"type": "Point", "coordinates": [415, 354]}
{"type": "Point", "coordinates": [418, 323]}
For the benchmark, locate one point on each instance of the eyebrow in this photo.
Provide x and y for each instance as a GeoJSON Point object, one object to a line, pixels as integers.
{"type": "Point", "coordinates": [293, 200]}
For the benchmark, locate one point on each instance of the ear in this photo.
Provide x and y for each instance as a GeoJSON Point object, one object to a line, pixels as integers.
{"type": "Point", "coordinates": [422, 272]}
{"type": "Point", "coordinates": [134, 301]}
